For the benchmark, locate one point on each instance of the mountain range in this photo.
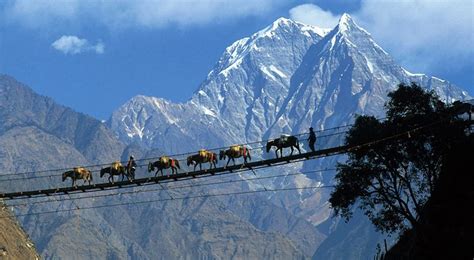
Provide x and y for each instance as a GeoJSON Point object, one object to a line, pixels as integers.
{"type": "Point", "coordinates": [283, 79]}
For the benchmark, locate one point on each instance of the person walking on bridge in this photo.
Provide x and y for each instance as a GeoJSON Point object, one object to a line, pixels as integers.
{"type": "Point", "coordinates": [131, 166]}
{"type": "Point", "coordinates": [311, 139]}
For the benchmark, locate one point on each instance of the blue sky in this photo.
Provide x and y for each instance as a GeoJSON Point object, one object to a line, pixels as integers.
{"type": "Point", "coordinates": [95, 55]}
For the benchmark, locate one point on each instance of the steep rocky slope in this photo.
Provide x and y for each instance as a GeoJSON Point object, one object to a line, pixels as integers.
{"type": "Point", "coordinates": [14, 242]}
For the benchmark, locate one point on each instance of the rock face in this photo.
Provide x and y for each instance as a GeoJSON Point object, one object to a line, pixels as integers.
{"type": "Point", "coordinates": [355, 239]}
{"type": "Point", "coordinates": [282, 79]}
{"type": "Point", "coordinates": [21, 107]}
{"type": "Point", "coordinates": [14, 242]}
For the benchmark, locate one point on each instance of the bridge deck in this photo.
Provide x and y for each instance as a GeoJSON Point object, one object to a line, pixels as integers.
{"type": "Point", "coordinates": [176, 177]}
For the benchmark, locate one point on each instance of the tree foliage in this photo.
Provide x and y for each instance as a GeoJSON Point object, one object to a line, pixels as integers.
{"type": "Point", "coordinates": [391, 181]}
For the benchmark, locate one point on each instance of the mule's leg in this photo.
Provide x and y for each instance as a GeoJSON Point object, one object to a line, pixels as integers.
{"type": "Point", "coordinates": [233, 160]}
{"type": "Point", "coordinates": [228, 161]}
{"type": "Point", "coordinates": [291, 153]}
{"type": "Point", "coordinates": [276, 153]}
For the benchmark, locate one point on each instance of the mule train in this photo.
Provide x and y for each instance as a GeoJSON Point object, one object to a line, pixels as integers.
{"type": "Point", "coordinates": [165, 162]}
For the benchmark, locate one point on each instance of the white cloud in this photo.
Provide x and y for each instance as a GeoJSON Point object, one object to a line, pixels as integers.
{"type": "Point", "coordinates": [39, 13]}
{"type": "Point", "coordinates": [313, 15]}
{"type": "Point", "coordinates": [70, 44]}
{"type": "Point", "coordinates": [130, 13]}
{"type": "Point", "coordinates": [99, 47]}
{"type": "Point", "coordinates": [423, 33]}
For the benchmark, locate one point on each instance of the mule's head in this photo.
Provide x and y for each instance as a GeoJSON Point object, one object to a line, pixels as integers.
{"type": "Point", "coordinates": [64, 176]}
{"type": "Point", "coordinates": [189, 160]}
{"type": "Point", "coordinates": [102, 172]}
{"type": "Point", "coordinates": [151, 167]}
{"type": "Point", "coordinates": [176, 163]}
{"type": "Point", "coordinates": [247, 153]}
{"type": "Point", "coordinates": [221, 154]}
{"type": "Point", "coordinates": [269, 145]}
{"type": "Point", "coordinates": [90, 174]}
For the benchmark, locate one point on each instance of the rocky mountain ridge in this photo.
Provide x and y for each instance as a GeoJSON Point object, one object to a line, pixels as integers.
{"type": "Point", "coordinates": [37, 134]}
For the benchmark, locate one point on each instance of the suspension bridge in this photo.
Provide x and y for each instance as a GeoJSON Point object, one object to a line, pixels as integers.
{"type": "Point", "coordinates": [190, 175]}
{"type": "Point", "coordinates": [180, 176]}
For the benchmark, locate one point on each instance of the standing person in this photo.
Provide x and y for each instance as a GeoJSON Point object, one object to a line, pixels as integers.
{"type": "Point", "coordinates": [131, 166]}
{"type": "Point", "coordinates": [311, 139]}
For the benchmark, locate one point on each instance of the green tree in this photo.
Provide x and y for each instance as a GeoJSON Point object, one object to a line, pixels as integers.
{"type": "Point", "coordinates": [391, 181]}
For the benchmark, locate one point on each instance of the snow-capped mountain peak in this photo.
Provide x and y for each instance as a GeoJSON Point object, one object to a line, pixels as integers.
{"type": "Point", "coordinates": [263, 42]}
{"type": "Point", "coordinates": [282, 25]}
{"type": "Point", "coordinates": [282, 78]}
{"type": "Point", "coordinates": [346, 23]}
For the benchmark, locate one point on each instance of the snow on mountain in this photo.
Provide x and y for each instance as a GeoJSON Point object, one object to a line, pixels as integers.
{"type": "Point", "coordinates": [221, 108]}
{"type": "Point", "coordinates": [282, 79]}
{"type": "Point", "coordinates": [344, 74]}
{"type": "Point", "coordinates": [158, 123]}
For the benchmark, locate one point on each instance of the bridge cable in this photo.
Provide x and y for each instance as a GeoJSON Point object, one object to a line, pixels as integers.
{"type": "Point", "coordinates": [169, 199]}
